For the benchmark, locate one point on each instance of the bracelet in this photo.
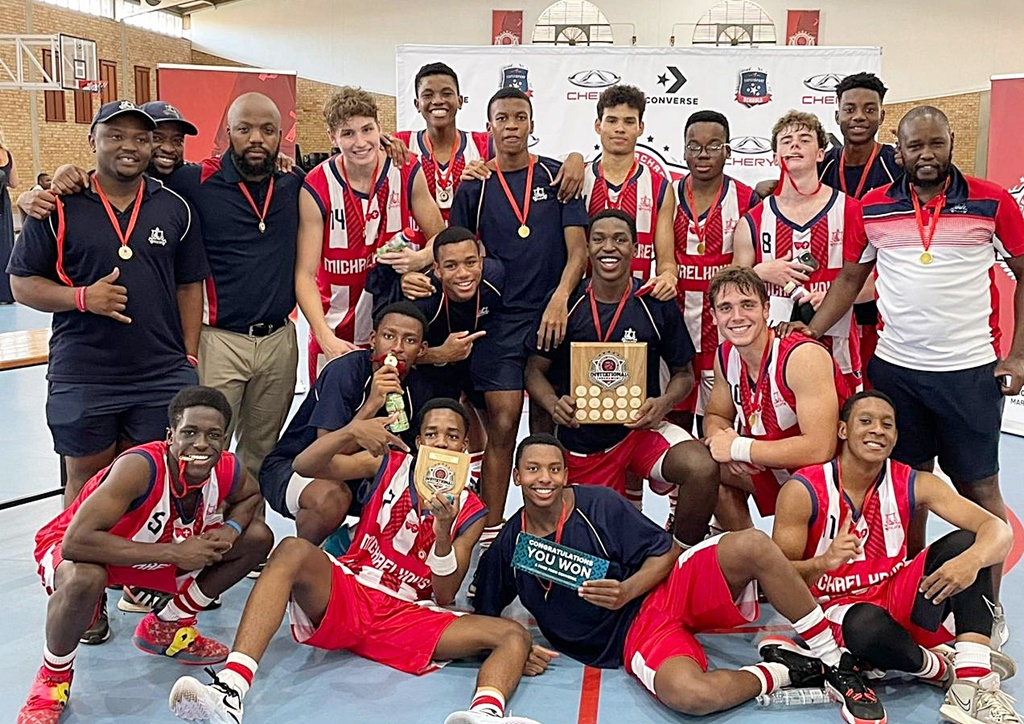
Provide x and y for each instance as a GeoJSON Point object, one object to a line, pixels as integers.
{"type": "Point", "coordinates": [740, 449]}
{"type": "Point", "coordinates": [80, 299]}
{"type": "Point", "coordinates": [442, 565]}
{"type": "Point", "coordinates": [192, 360]}
{"type": "Point", "coordinates": [234, 524]}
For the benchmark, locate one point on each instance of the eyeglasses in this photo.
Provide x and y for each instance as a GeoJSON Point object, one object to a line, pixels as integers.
{"type": "Point", "coordinates": [711, 148]}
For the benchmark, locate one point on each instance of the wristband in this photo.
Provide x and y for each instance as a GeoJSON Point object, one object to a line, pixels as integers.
{"type": "Point", "coordinates": [192, 360]}
{"type": "Point", "coordinates": [80, 299]}
{"type": "Point", "coordinates": [442, 565]}
{"type": "Point", "coordinates": [739, 451]}
{"type": "Point", "coordinates": [234, 524]}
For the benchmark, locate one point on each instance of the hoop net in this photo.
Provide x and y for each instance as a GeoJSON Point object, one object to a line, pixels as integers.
{"type": "Point", "coordinates": [91, 86]}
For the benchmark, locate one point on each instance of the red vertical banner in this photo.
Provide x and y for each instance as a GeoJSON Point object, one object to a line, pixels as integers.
{"type": "Point", "coordinates": [802, 27]}
{"type": "Point", "coordinates": [506, 27]}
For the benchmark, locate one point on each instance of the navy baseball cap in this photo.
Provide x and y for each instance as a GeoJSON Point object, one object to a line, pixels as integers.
{"type": "Point", "coordinates": [110, 111]}
{"type": "Point", "coordinates": [163, 112]}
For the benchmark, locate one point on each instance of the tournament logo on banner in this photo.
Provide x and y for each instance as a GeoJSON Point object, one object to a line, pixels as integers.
{"type": "Point", "coordinates": [752, 88]}
{"type": "Point", "coordinates": [516, 76]}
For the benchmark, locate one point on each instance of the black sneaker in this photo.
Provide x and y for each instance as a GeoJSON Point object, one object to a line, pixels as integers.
{"type": "Point", "coordinates": [860, 703]}
{"type": "Point", "coordinates": [99, 631]}
{"type": "Point", "coordinates": [255, 572]}
{"type": "Point", "coordinates": [135, 599]}
{"type": "Point", "coordinates": [804, 669]}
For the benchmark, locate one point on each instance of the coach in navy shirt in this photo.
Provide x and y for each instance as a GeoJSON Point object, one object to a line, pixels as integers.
{"type": "Point", "coordinates": [250, 213]}
{"type": "Point", "coordinates": [610, 307]}
{"type": "Point", "coordinates": [117, 265]}
{"type": "Point", "coordinates": [351, 386]}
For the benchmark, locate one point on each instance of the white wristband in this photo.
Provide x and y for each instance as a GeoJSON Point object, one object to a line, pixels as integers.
{"type": "Point", "coordinates": [739, 451]}
{"type": "Point", "coordinates": [442, 565]}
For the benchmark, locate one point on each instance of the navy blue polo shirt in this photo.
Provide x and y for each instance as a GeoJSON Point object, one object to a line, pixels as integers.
{"type": "Point", "coordinates": [535, 264]}
{"type": "Point", "coordinates": [884, 170]}
{"type": "Point", "coordinates": [168, 252]}
{"type": "Point", "coordinates": [603, 524]}
{"type": "Point", "coordinates": [469, 316]}
{"type": "Point", "coordinates": [253, 274]}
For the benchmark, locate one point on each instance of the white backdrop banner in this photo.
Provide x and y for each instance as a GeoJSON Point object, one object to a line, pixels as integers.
{"type": "Point", "coordinates": [753, 87]}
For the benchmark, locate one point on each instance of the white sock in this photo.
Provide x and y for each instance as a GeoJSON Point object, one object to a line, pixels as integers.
{"type": "Point", "coordinates": [59, 663]}
{"type": "Point", "coordinates": [972, 661]}
{"type": "Point", "coordinates": [771, 675]}
{"type": "Point", "coordinates": [815, 631]}
{"type": "Point", "coordinates": [235, 670]}
{"type": "Point", "coordinates": [185, 605]}
{"type": "Point", "coordinates": [934, 666]}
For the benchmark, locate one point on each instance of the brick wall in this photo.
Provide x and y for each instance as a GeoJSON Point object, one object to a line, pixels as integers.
{"type": "Point", "coordinates": [964, 118]}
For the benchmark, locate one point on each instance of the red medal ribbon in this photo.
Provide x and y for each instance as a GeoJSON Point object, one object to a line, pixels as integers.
{"type": "Point", "coordinates": [617, 204]}
{"type": "Point", "coordinates": [762, 384]}
{"type": "Point", "coordinates": [563, 516]}
{"type": "Point", "coordinates": [357, 203]}
{"type": "Point", "coordinates": [937, 203]}
{"type": "Point", "coordinates": [266, 202]}
{"type": "Point", "coordinates": [603, 336]}
{"type": "Point", "coordinates": [786, 175]}
{"type": "Point", "coordinates": [126, 235]}
{"type": "Point", "coordinates": [525, 212]}
{"type": "Point", "coordinates": [442, 179]}
{"type": "Point", "coordinates": [863, 174]}
{"type": "Point", "coordinates": [712, 210]}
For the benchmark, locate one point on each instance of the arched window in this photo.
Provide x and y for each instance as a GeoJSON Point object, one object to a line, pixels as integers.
{"type": "Point", "coordinates": [572, 22]}
{"type": "Point", "coordinates": [735, 22]}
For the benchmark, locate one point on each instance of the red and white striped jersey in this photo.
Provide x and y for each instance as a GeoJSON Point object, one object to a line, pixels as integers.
{"type": "Point", "coordinates": [473, 146]}
{"type": "Point", "coordinates": [882, 525]}
{"type": "Point", "coordinates": [349, 244]}
{"type": "Point", "coordinates": [153, 518]}
{"type": "Point", "coordinates": [641, 197]}
{"type": "Point", "coordinates": [698, 265]}
{"type": "Point", "coordinates": [390, 546]}
{"type": "Point", "coordinates": [774, 236]}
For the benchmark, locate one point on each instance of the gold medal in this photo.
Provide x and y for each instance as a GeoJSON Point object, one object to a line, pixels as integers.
{"type": "Point", "coordinates": [443, 196]}
{"type": "Point", "coordinates": [524, 231]}
{"type": "Point", "coordinates": [926, 257]}
{"type": "Point", "coordinates": [700, 248]}
{"type": "Point", "coordinates": [752, 420]}
{"type": "Point", "coordinates": [125, 252]}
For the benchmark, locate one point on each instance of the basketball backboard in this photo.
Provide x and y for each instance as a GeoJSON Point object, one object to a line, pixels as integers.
{"type": "Point", "coordinates": [79, 67]}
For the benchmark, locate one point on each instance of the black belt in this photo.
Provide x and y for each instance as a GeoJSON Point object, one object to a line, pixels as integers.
{"type": "Point", "coordinates": [262, 329]}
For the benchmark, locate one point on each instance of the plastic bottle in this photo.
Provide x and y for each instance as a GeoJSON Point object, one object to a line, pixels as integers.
{"type": "Point", "coordinates": [796, 697]}
{"type": "Point", "coordinates": [395, 402]}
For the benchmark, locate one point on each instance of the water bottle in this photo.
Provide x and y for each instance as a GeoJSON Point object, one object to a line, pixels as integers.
{"type": "Point", "coordinates": [796, 697]}
{"type": "Point", "coordinates": [802, 309]}
{"type": "Point", "coordinates": [399, 242]}
{"type": "Point", "coordinates": [395, 402]}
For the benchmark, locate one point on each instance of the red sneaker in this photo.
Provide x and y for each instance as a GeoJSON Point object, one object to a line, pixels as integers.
{"type": "Point", "coordinates": [179, 640]}
{"type": "Point", "coordinates": [47, 698]}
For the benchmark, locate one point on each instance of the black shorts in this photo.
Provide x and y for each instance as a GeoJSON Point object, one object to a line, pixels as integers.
{"type": "Point", "coordinates": [86, 419]}
{"type": "Point", "coordinates": [955, 416]}
{"type": "Point", "coordinates": [498, 362]}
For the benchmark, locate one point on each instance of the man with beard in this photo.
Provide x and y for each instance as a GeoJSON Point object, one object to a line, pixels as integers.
{"type": "Point", "coordinates": [175, 515]}
{"type": "Point", "coordinates": [932, 240]}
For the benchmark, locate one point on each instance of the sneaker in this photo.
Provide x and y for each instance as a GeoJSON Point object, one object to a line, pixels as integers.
{"type": "Point", "coordinates": [1000, 631]}
{"type": "Point", "coordinates": [804, 669]}
{"type": "Point", "coordinates": [1002, 665]}
{"type": "Point", "coordinates": [478, 717]}
{"type": "Point", "coordinates": [860, 703]}
{"type": "Point", "coordinates": [135, 599]}
{"type": "Point", "coordinates": [177, 639]}
{"type": "Point", "coordinates": [978, 702]}
{"type": "Point", "coordinates": [47, 698]}
{"type": "Point", "coordinates": [99, 630]}
{"type": "Point", "coordinates": [193, 700]}
{"type": "Point", "coordinates": [255, 572]}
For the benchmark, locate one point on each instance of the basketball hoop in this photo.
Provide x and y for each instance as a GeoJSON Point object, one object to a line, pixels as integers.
{"type": "Point", "coordinates": [91, 86]}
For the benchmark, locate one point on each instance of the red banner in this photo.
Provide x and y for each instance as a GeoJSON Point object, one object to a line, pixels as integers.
{"type": "Point", "coordinates": [506, 27]}
{"type": "Point", "coordinates": [203, 93]}
{"type": "Point", "coordinates": [802, 27]}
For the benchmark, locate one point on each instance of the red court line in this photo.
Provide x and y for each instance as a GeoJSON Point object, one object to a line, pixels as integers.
{"type": "Point", "coordinates": [590, 695]}
{"type": "Point", "coordinates": [1017, 549]}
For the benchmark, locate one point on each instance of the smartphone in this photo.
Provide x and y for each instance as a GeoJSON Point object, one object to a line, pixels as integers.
{"type": "Point", "coordinates": [807, 259]}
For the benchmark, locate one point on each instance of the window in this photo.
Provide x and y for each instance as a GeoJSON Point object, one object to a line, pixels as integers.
{"type": "Point", "coordinates": [572, 22]}
{"type": "Point", "coordinates": [53, 101]}
{"type": "Point", "coordinates": [142, 94]}
{"type": "Point", "coordinates": [158, 21]}
{"type": "Point", "coordinates": [83, 107]}
{"type": "Point", "coordinates": [103, 8]}
{"type": "Point", "coordinates": [108, 73]}
{"type": "Point", "coordinates": [735, 22]}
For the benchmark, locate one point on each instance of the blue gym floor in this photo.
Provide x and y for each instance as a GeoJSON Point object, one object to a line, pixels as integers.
{"type": "Point", "coordinates": [116, 683]}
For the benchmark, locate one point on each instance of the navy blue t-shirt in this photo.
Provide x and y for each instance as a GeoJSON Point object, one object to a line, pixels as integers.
{"type": "Point", "coordinates": [167, 246]}
{"type": "Point", "coordinates": [533, 266]}
{"type": "Point", "coordinates": [603, 524]}
{"type": "Point", "coordinates": [253, 274]}
{"type": "Point", "coordinates": [643, 319]}
{"type": "Point", "coordinates": [884, 170]}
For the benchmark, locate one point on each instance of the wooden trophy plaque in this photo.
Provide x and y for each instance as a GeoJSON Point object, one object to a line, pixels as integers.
{"type": "Point", "coordinates": [608, 380]}
{"type": "Point", "coordinates": [439, 472]}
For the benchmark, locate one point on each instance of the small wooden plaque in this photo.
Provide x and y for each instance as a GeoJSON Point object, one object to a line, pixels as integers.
{"type": "Point", "coordinates": [608, 380]}
{"type": "Point", "coordinates": [440, 471]}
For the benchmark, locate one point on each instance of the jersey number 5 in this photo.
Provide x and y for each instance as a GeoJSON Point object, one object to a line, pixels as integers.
{"type": "Point", "coordinates": [155, 524]}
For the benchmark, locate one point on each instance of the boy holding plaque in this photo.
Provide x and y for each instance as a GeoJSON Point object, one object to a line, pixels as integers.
{"type": "Point", "coordinates": [408, 551]}
{"type": "Point", "coordinates": [645, 610]}
{"type": "Point", "coordinates": [608, 423]}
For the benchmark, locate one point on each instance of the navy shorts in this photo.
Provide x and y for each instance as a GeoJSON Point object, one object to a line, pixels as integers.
{"type": "Point", "coordinates": [86, 419]}
{"type": "Point", "coordinates": [955, 416]}
{"type": "Point", "coordinates": [451, 380]}
{"type": "Point", "coordinates": [275, 476]}
{"type": "Point", "coordinates": [498, 362]}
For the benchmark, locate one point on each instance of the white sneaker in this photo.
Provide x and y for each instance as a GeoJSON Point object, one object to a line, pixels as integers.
{"type": "Point", "coordinates": [1000, 631]}
{"type": "Point", "coordinates": [978, 702]}
{"type": "Point", "coordinates": [478, 717]}
{"type": "Point", "coordinates": [216, 703]}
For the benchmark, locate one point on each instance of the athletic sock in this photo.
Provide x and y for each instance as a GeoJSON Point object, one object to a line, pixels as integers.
{"type": "Point", "coordinates": [490, 532]}
{"type": "Point", "coordinates": [238, 672]}
{"type": "Point", "coordinates": [58, 664]}
{"type": "Point", "coordinates": [972, 661]}
{"type": "Point", "coordinates": [476, 461]}
{"type": "Point", "coordinates": [771, 675]}
{"type": "Point", "coordinates": [184, 605]}
{"type": "Point", "coordinates": [934, 668]}
{"type": "Point", "coordinates": [636, 497]}
{"type": "Point", "coordinates": [815, 631]}
{"type": "Point", "coordinates": [488, 700]}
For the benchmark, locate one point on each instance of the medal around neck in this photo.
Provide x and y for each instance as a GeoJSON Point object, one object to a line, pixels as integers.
{"type": "Point", "coordinates": [440, 472]}
{"type": "Point", "coordinates": [556, 563]}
